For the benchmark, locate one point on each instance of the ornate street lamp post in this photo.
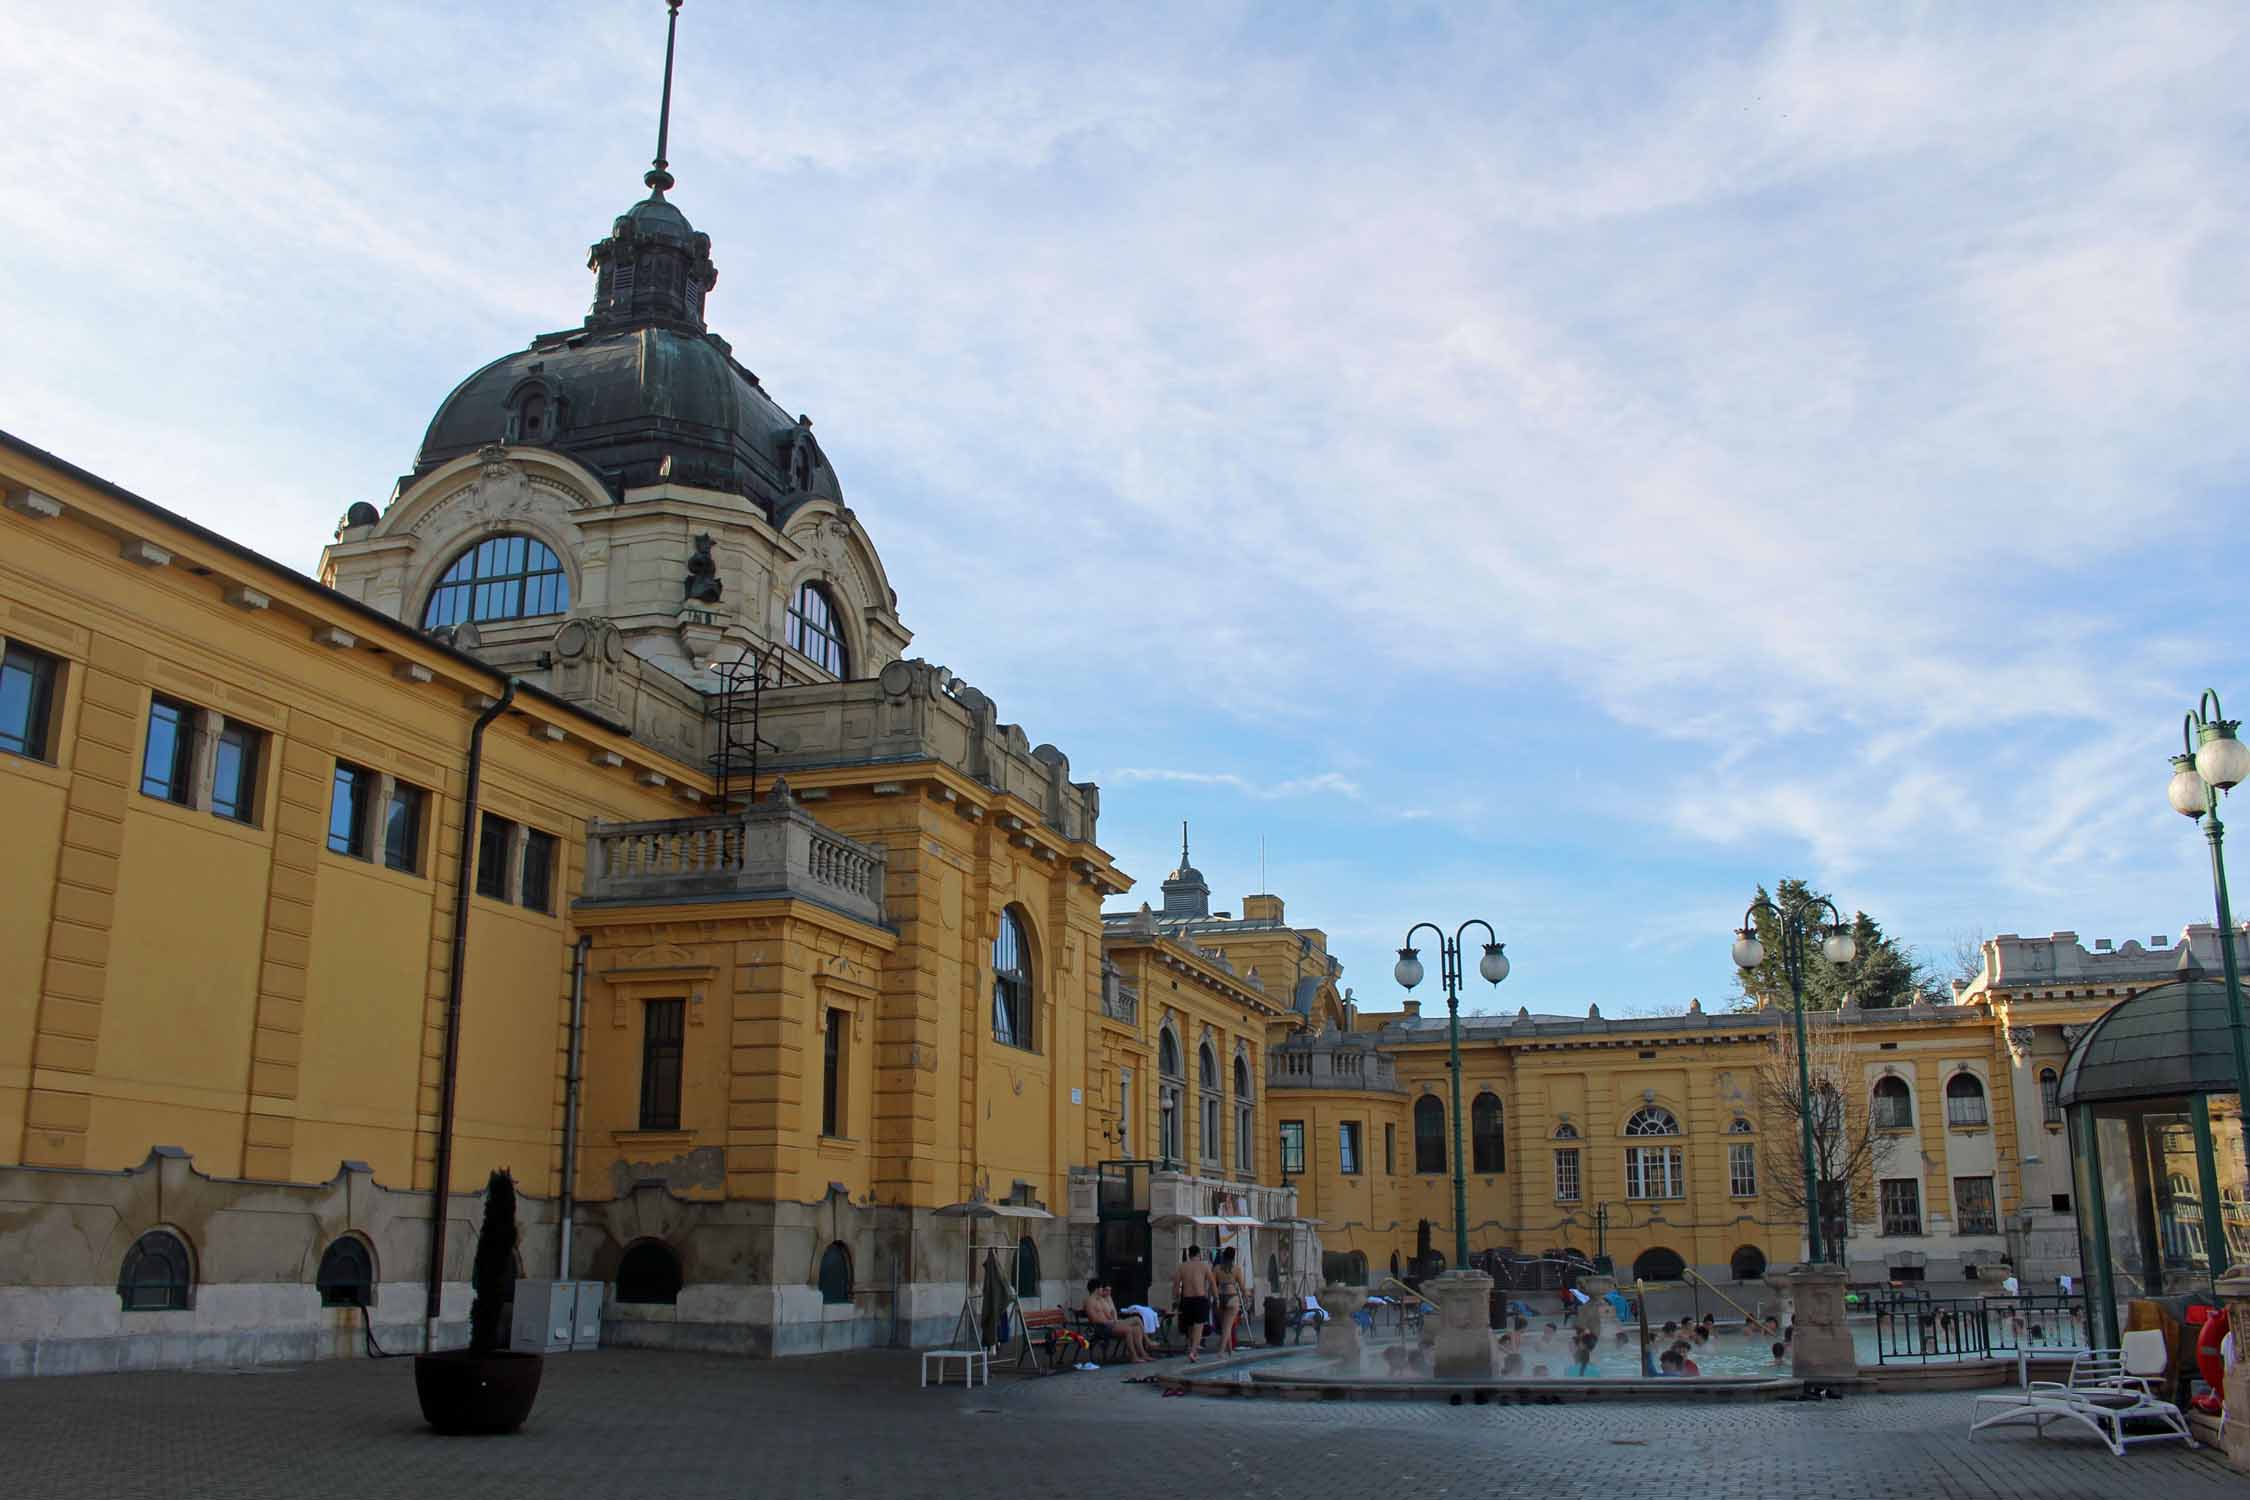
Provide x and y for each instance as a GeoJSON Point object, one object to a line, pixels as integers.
{"type": "Point", "coordinates": [1494, 967]}
{"type": "Point", "coordinates": [2216, 761]}
{"type": "Point", "coordinates": [1797, 920]}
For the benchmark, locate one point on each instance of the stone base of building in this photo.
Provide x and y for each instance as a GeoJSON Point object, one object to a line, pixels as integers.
{"type": "Point", "coordinates": [749, 1272]}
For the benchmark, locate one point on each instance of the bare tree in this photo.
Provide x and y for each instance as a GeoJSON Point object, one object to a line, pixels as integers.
{"type": "Point", "coordinates": [1847, 1148]}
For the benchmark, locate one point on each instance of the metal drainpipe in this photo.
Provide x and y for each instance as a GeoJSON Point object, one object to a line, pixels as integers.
{"type": "Point", "coordinates": [570, 1103]}
{"type": "Point", "coordinates": [464, 883]}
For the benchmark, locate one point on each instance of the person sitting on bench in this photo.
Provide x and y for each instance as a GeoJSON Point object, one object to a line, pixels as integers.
{"type": "Point", "coordinates": [1101, 1312]}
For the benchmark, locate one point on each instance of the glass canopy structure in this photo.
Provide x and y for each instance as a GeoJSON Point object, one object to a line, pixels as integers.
{"type": "Point", "coordinates": [2157, 1152]}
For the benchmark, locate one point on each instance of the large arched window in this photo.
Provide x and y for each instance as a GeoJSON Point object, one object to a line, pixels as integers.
{"type": "Point", "coordinates": [1011, 984]}
{"type": "Point", "coordinates": [1207, 1093]}
{"type": "Point", "coordinates": [1894, 1104]}
{"type": "Point", "coordinates": [1429, 1134]}
{"type": "Point", "coordinates": [347, 1273]}
{"type": "Point", "coordinates": [1488, 1139]}
{"type": "Point", "coordinates": [650, 1272]}
{"type": "Point", "coordinates": [1964, 1100]}
{"type": "Point", "coordinates": [508, 577]}
{"type": "Point", "coordinates": [816, 628]}
{"type": "Point", "coordinates": [1654, 1171]}
{"type": "Point", "coordinates": [156, 1274]}
{"type": "Point", "coordinates": [835, 1273]}
{"type": "Point", "coordinates": [1169, 1087]}
{"type": "Point", "coordinates": [1243, 1134]}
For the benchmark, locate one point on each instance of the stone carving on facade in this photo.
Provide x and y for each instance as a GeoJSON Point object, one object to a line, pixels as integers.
{"type": "Point", "coordinates": [702, 582]}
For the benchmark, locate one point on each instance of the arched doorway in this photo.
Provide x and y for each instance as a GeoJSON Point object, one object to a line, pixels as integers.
{"type": "Point", "coordinates": [1659, 1264]}
{"type": "Point", "coordinates": [1749, 1263]}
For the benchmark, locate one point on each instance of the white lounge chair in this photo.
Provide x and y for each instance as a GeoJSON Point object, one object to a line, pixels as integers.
{"type": "Point", "coordinates": [2107, 1388]}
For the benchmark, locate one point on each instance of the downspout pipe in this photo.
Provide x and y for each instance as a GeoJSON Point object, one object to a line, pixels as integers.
{"type": "Point", "coordinates": [570, 1103]}
{"type": "Point", "coordinates": [457, 963]}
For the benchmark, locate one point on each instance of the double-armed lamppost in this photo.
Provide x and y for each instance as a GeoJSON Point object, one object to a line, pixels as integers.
{"type": "Point", "coordinates": [1494, 967]}
{"type": "Point", "coordinates": [2216, 761]}
{"type": "Point", "coordinates": [1798, 919]}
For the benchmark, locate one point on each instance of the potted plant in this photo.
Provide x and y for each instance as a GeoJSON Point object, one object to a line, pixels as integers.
{"type": "Point", "coordinates": [483, 1388]}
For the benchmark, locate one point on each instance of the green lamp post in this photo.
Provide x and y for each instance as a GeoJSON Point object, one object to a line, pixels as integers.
{"type": "Point", "coordinates": [2216, 762]}
{"type": "Point", "coordinates": [1798, 920]}
{"type": "Point", "coordinates": [1494, 967]}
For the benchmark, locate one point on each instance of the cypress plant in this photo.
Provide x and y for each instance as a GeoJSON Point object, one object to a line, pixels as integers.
{"type": "Point", "coordinates": [496, 1249]}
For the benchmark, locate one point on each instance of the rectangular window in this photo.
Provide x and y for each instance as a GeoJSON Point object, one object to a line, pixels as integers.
{"type": "Point", "coordinates": [1390, 1150]}
{"type": "Point", "coordinates": [1742, 1169]}
{"type": "Point", "coordinates": [1566, 1175]}
{"type": "Point", "coordinates": [1211, 1129]}
{"type": "Point", "coordinates": [832, 1076]}
{"type": "Point", "coordinates": [1901, 1202]}
{"type": "Point", "coordinates": [1125, 1117]}
{"type": "Point", "coordinates": [1964, 1105]}
{"type": "Point", "coordinates": [347, 810]}
{"type": "Point", "coordinates": [1654, 1172]}
{"type": "Point", "coordinates": [1293, 1147]}
{"type": "Point", "coordinates": [2059, 1202]}
{"type": "Point", "coordinates": [494, 835]}
{"type": "Point", "coordinates": [169, 753]}
{"type": "Point", "coordinates": [661, 1034]}
{"type": "Point", "coordinates": [234, 772]}
{"type": "Point", "coordinates": [1347, 1147]}
{"type": "Point", "coordinates": [1973, 1209]}
{"type": "Point", "coordinates": [402, 828]}
{"type": "Point", "coordinates": [539, 851]}
{"type": "Point", "coordinates": [2050, 1097]}
{"type": "Point", "coordinates": [28, 682]}
{"type": "Point", "coordinates": [1242, 1140]}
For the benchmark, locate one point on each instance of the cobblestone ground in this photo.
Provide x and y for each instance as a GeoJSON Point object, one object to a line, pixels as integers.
{"type": "Point", "coordinates": [625, 1423]}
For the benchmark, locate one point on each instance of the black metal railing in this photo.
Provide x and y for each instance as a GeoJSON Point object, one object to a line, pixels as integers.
{"type": "Point", "coordinates": [1912, 1329]}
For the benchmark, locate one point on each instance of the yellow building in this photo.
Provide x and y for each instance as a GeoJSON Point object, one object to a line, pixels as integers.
{"type": "Point", "coordinates": [586, 818]}
{"type": "Point", "coordinates": [1651, 1140]}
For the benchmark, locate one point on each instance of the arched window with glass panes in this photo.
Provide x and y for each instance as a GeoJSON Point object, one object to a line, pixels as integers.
{"type": "Point", "coordinates": [815, 630]}
{"type": "Point", "coordinates": [1170, 1084]}
{"type": "Point", "coordinates": [1429, 1134]}
{"type": "Point", "coordinates": [1654, 1171]}
{"type": "Point", "coordinates": [1243, 1121]}
{"type": "Point", "coordinates": [1964, 1100]}
{"type": "Point", "coordinates": [510, 577]}
{"type": "Point", "coordinates": [1488, 1139]}
{"type": "Point", "coordinates": [1207, 1093]}
{"type": "Point", "coordinates": [1011, 984]}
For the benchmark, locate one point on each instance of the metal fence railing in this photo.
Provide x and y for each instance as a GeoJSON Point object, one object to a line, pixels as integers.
{"type": "Point", "coordinates": [1913, 1329]}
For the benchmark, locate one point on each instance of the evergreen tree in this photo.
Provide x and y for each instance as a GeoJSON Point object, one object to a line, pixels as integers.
{"type": "Point", "coordinates": [1881, 973]}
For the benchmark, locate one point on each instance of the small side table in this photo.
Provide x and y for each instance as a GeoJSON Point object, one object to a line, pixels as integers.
{"type": "Point", "coordinates": [972, 1361]}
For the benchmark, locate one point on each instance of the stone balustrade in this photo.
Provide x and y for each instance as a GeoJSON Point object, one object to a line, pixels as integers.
{"type": "Point", "coordinates": [770, 850]}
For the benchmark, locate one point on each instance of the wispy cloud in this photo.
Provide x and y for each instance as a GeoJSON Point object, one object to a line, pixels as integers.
{"type": "Point", "coordinates": [1326, 783]}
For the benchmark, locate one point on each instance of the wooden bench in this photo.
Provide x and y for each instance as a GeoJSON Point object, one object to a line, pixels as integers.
{"type": "Point", "coordinates": [1042, 1331]}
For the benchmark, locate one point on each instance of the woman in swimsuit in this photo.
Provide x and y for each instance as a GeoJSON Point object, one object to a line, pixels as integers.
{"type": "Point", "coordinates": [1231, 1294]}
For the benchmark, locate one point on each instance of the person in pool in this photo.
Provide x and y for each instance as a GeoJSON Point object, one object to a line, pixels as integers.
{"type": "Point", "coordinates": [1671, 1365]}
{"type": "Point", "coordinates": [1781, 1354]}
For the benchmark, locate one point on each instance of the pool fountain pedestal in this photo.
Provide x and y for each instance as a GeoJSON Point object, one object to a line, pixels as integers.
{"type": "Point", "coordinates": [1463, 1349]}
{"type": "Point", "coordinates": [1339, 1333]}
{"type": "Point", "coordinates": [2234, 1294]}
{"type": "Point", "coordinates": [1822, 1349]}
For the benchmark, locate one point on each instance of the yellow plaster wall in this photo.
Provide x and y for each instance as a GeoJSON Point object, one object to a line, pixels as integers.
{"type": "Point", "coordinates": [31, 810]}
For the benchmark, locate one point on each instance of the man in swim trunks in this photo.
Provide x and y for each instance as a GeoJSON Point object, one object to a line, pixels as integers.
{"type": "Point", "coordinates": [1192, 1286]}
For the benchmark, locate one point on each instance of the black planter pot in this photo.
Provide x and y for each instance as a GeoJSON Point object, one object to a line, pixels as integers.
{"type": "Point", "coordinates": [463, 1392]}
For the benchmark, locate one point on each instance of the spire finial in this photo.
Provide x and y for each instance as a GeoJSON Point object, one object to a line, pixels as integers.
{"type": "Point", "coordinates": [1183, 843]}
{"type": "Point", "coordinates": [658, 179]}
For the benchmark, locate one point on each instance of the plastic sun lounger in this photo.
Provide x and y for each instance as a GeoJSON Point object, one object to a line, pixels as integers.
{"type": "Point", "coordinates": [2107, 1388]}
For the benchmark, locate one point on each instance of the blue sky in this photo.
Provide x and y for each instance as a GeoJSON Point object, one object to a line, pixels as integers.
{"type": "Point", "coordinates": [1554, 464]}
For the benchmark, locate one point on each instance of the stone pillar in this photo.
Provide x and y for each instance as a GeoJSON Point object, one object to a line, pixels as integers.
{"type": "Point", "coordinates": [1339, 1335]}
{"type": "Point", "coordinates": [2234, 1294]}
{"type": "Point", "coordinates": [1596, 1316]}
{"type": "Point", "coordinates": [1463, 1350]}
{"type": "Point", "coordinates": [1822, 1348]}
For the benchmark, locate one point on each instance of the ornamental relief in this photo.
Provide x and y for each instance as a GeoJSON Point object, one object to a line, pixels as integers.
{"type": "Point", "coordinates": [502, 493]}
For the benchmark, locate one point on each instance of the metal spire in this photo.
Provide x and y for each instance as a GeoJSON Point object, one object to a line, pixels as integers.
{"type": "Point", "coordinates": [1183, 844]}
{"type": "Point", "coordinates": [658, 179]}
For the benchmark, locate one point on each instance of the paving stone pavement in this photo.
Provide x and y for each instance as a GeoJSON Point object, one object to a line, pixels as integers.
{"type": "Point", "coordinates": [620, 1423]}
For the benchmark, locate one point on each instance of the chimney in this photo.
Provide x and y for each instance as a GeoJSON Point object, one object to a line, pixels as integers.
{"type": "Point", "coordinates": [1413, 1009]}
{"type": "Point", "coordinates": [1261, 908]}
